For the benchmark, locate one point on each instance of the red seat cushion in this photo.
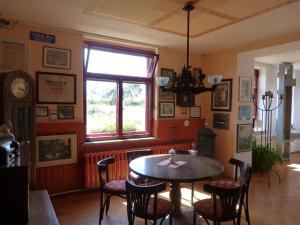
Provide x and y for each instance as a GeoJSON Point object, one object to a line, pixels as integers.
{"type": "Point", "coordinates": [164, 207]}
{"type": "Point", "coordinates": [115, 186]}
{"type": "Point", "coordinates": [224, 184]}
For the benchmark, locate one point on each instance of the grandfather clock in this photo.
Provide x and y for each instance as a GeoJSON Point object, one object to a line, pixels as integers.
{"type": "Point", "coordinates": [17, 104]}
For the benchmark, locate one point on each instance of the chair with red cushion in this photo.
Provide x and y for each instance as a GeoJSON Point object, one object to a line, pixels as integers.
{"type": "Point", "coordinates": [133, 154]}
{"type": "Point", "coordinates": [244, 173]}
{"type": "Point", "coordinates": [223, 204]}
{"type": "Point", "coordinates": [108, 187]}
{"type": "Point", "coordinates": [143, 202]}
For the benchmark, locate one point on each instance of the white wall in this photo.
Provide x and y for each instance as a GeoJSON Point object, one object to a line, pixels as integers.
{"type": "Point", "coordinates": [296, 100]}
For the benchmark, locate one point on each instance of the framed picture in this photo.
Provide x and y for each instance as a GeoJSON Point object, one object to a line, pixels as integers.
{"type": "Point", "coordinates": [195, 112]}
{"type": "Point", "coordinates": [166, 109]}
{"type": "Point", "coordinates": [56, 88]}
{"type": "Point", "coordinates": [53, 115]}
{"type": "Point", "coordinates": [221, 97]}
{"type": "Point", "coordinates": [245, 87]}
{"type": "Point", "coordinates": [167, 95]}
{"type": "Point", "coordinates": [244, 137]}
{"type": "Point", "coordinates": [221, 121]}
{"type": "Point", "coordinates": [65, 112]}
{"type": "Point", "coordinates": [53, 150]}
{"type": "Point", "coordinates": [41, 111]}
{"type": "Point", "coordinates": [244, 113]}
{"type": "Point", "coordinates": [56, 58]}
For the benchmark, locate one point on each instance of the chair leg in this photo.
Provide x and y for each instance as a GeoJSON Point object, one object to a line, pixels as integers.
{"type": "Point", "coordinates": [192, 200]}
{"type": "Point", "coordinates": [170, 219]}
{"type": "Point", "coordinates": [101, 208]}
{"type": "Point", "coordinates": [206, 221]}
{"type": "Point", "coordinates": [145, 222]}
{"type": "Point", "coordinates": [246, 208]}
{"type": "Point", "coordinates": [107, 203]}
{"type": "Point", "coordinates": [154, 222]}
{"type": "Point", "coordinates": [194, 218]}
{"type": "Point", "coordinates": [234, 222]}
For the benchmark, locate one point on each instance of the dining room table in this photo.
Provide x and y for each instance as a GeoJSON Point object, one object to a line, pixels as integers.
{"type": "Point", "coordinates": [176, 169]}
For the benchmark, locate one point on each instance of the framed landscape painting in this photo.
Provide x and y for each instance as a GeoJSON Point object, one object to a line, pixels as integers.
{"type": "Point", "coordinates": [53, 150]}
{"type": "Point", "coordinates": [245, 89]}
{"type": "Point", "coordinates": [244, 137]}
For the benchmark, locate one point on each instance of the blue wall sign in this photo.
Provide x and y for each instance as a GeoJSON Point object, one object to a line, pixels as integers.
{"type": "Point", "coordinates": [36, 36]}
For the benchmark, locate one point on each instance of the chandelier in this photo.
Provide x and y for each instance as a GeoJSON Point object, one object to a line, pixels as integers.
{"type": "Point", "coordinates": [187, 83]}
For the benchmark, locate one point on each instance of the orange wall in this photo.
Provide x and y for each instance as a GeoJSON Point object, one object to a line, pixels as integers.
{"type": "Point", "coordinates": [67, 177]}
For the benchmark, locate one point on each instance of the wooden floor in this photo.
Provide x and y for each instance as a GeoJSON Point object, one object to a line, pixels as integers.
{"type": "Point", "coordinates": [278, 205]}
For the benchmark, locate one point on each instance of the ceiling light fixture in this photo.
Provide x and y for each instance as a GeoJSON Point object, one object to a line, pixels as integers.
{"type": "Point", "coordinates": [187, 83]}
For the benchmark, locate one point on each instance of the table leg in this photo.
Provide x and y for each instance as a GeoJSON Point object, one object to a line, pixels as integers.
{"type": "Point", "coordinates": [175, 196]}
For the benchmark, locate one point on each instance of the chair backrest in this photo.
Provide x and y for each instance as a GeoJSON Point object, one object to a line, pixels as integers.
{"type": "Point", "coordinates": [229, 198]}
{"type": "Point", "coordinates": [138, 198]}
{"type": "Point", "coordinates": [245, 171]}
{"type": "Point", "coordinates": [239, 167]}
{"type": "Point", "coordinates": [133, 154]}
{"type": "Point", "coordinates": [103, 170]}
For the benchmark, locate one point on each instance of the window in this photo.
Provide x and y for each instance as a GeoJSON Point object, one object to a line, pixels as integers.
{"type": "Point", "coordinates": [118, 91]}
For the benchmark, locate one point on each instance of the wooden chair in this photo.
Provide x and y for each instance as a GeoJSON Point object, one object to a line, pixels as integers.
{"type": "Point", "coordinates": [193, 186]}
{"type": "Point", "coordinates": [242, 169]}
{"type": "Point", "coordinates": [133, 154]}
{"type": "Point", "coordinates": [107, 187]}
{"type": "Point", "coordinates": [242, 176]}
{"type": "Point", "coordinates": [223, 204]}
{"type": "Point", "coordinates": [141, 204]}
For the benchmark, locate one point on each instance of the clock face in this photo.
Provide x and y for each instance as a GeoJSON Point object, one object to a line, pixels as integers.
{"type": "Point", "coordinates": [19, 88]}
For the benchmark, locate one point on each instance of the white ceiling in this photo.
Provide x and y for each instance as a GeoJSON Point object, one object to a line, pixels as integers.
{"type": "Point", "coordinates": [275, 59]}
{"type": "Point", "coordinates": [218, 24]}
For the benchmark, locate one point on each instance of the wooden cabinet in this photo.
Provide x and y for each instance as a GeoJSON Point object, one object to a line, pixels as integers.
{"type": "Point", "coordinates": [17, 104]}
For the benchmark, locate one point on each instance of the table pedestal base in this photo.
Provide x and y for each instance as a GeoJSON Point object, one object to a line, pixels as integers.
{"type": "Point", "coordinates": [175, 196]}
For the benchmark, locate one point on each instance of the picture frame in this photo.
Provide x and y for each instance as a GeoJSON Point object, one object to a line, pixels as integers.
{"type": "Point", "coordinates": [55, 88]}
{"type": "Point", "coordinates": [195, 112]}
{"type": "Point", "coordinates": [167, 95]}
{"type": "Point", "coordinates": [166, 109]}
{"type": "Point", "coordinates": [53, 114]}
{"type": "Point", "coordinates": [221, 121]}
{"type": "Point", "coordinates": [53, 150]}
{"type": "Point", "coordinates": [65, 112]}
{"type": "Point", "coordinates": [58, 58]}
{"type": "Point", "coordinates": [245, 89]}
{"type": "Point", "coordinates": [222, 96]}
{"type": "Point", "coordinates": [244, 113]}
{"type": "Point", "coordinates": [41, 111]}
{"type": "Point", "coordinates": [244, 137]}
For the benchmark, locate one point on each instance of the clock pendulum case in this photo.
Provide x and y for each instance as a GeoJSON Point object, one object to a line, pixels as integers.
{"type": "Point", "coordinates": [17, 104]}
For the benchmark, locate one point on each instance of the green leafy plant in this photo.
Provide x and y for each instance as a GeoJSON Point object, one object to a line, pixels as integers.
{"type": "Point", "coordinates": [264, 158]}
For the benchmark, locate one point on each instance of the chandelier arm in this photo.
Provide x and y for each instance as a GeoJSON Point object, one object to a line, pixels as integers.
{"type": "Point", "coordinates": [255, 104]}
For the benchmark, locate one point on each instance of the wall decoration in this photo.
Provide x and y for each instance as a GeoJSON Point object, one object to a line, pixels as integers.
{"type": "Point", "coordinates": [56, 58]}
{"type": "Point", "coordinates": [184, 112]}
{"type": "Point", "coordinates": [166, 109]}
{"type": "Point", "coordinates": [65, 112]}
{"type": "Point", "coordinates": [53, 150]}
{"type": "Point", "coordinates": [57, 88]}
{"type": "Point", "coordinates": [244, 113]}
{"type": "Point", "coordinates": [221, 121]}
{"type": "Point", "coordinates": [244, 137]}
{"type": "Point", "coordinates": [41, 111]}
{"type": "Point", "coordinates": [53, 115]}
{"type": "Point", "coordinates": [37, 36]}
{"type": "Point", "coordinates": [245, 89]}
{"type": "Point", "coordinates": [167, 95]}
{"type": "Point", "coordinates": [221, 97]}
{"type": "Point", "coordinates": [195, 112]}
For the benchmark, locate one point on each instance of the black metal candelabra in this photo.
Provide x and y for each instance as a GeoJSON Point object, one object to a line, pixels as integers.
{"type": "Point", "coordinates": [267, 115]}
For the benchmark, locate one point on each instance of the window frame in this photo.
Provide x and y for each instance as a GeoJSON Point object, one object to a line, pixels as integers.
{"type": "Point", "coordinates": [120, 79]}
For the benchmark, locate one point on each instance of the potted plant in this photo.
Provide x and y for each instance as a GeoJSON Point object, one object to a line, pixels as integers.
{"type": "Point", "coordinates": [264, 158]}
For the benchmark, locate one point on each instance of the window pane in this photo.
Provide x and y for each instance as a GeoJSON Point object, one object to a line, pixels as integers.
{"type": "Point", "coordinates": [117, 64]}
{"type": "Point", "coordinates": [101, 107]}
{"type": "Point", "coordinates": [134, 107]}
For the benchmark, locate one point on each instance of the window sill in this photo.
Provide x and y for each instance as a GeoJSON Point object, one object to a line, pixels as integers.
{"type": "Point", "coordinates": [120, 140]}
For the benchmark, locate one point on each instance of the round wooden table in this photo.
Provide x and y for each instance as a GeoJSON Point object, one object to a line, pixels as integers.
{"type": "Point", "coordinates": [195, 168]}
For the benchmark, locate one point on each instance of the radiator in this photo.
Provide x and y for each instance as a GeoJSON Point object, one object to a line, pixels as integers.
{"type": "Point", "coordinates": [119, 169]}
